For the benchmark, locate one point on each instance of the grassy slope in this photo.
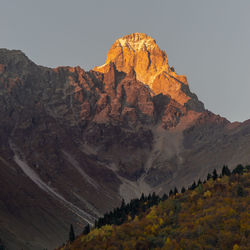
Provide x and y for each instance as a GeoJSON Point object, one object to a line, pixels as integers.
{"type": "Point", "coordinates": [213, 216]}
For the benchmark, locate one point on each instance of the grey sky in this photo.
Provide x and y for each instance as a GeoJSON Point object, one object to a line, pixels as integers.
{"type": "Point", "coordinates": [209, 41]}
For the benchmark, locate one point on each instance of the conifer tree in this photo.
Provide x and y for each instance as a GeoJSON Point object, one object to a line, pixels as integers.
{"type": "Point", "coordinates": [123, 204]}
{"type": "Point", "coordinates": [238, 170]}
{"type": "Point", "coordinates": [164, 197]}
{"type": "Point", "coordinates": [215, 175]}
{"type": "Point", "coordinates": [183, 190]}
{"type": "Point", "coordinates": [71, 234]}
{"type": "Point", "coordinates": [149, 197]}
{"type": "Point", "coordinates": [86, 229]}
{"type": "Point", "coordinates": [175, 191]}
{"type": "Point", "coordinates": [193, 186]}
{"type": "Point", "coordinates": [170, 192]}
{"type": "Point", "coordinates": [209, 176]}
{"type": "Point", "coordinates": [142, 197]}
{"type": "Point", "coordinates": [154, 198]}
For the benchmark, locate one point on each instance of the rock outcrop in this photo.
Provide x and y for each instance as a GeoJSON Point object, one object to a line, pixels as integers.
{"type": "Point", "coordinates": [139, 53]}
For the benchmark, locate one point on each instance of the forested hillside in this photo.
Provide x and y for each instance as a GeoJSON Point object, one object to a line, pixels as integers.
{"type": "Point", "coordinates": [212, 214]}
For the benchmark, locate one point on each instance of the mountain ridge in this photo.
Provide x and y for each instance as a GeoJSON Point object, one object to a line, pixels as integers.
{"type": "Point", "coordinates": [97, 137]}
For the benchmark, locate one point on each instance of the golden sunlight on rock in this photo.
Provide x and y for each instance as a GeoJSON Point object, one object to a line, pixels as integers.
{"type": "Point", "coordinates": [140, 53]}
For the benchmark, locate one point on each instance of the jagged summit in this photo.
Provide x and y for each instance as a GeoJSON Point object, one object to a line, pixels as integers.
{"type": "Point", "coordinates": [140, 53]}
{"type": "Point", "coordinates": [138, 41]}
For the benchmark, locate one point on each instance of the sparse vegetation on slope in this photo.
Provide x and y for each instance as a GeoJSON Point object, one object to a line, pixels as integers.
{"type": "Point", "coordinates": [210, 215]}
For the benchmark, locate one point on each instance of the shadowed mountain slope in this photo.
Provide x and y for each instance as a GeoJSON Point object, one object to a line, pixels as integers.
{"type": "Point", "coordinates": [84, 140]}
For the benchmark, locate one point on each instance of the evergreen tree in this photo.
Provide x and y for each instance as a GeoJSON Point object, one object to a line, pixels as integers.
{"type": "Point", "coordinates": [170, 192]}
{"type": "Point", "coordinates": [238, 170]}
{"type": "Point", "coordinates": [164, 197]}
{"type": "Point", "coordinates": [86, 229]}
{"type": "Point", "coordinates": [215, 175]}
{"type": "Point", "coordinates": [149, 197]}
{"type": "Point", "coordinates": [183, 190]}
{"type": "Point", "coordinates": [175, 191]}
{"type": "Point", "coordinates": [71, 234]}
{"type": "Point", "coordinates": [123, 204]}
{"type": "Point", "coordinates": [193, 186]}
{"type": "Point", "coordinates": [142, 197]}
{"type": "Point", "coordinates": [199, 182]}
{"type": "Point", "coordinates": [209, 176]}
{"type": "Point", "coordinates": [154, 199]}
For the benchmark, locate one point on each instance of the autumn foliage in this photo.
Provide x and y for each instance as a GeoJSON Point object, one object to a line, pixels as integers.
{"type": "Point", "coordinates": [213, 215]}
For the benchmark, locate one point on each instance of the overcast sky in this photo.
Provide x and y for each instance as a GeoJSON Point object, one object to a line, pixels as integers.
{"type": "Point", "coordinates": [209, 41]}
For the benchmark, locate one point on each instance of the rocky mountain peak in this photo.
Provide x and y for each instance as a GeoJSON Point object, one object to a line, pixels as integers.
{"type": "Point", "coordinates": [139, 52]}
{"type": "Point", "coordinates": [138, 41]}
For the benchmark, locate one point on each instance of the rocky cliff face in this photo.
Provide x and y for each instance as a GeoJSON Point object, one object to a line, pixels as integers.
{"type": "Point", "coordinates": [74, 143]}
{"type": "Point", "coordinates": [139, 53]}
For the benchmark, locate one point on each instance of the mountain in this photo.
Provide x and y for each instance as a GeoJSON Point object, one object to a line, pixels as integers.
{"type": "Point", "coordinates": [74, 143]}
{"type": "Point", "coordinates": [214, 215]}
{"type": "Point", "coordinates": [140, 53]}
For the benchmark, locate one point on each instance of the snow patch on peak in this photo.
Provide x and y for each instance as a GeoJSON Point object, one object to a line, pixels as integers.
{"type": "Point", "coordinates": [137, 41]}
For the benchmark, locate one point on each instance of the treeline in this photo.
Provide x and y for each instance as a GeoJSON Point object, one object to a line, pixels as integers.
{"type": "Point", "coordinates": [138, 206]}
{"type": "Point", "coordinates": [239, 169]}
{"type": "Point", "coordinates": [134, 207]}
{"type": "Point", "coordinates": [121, 214]}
